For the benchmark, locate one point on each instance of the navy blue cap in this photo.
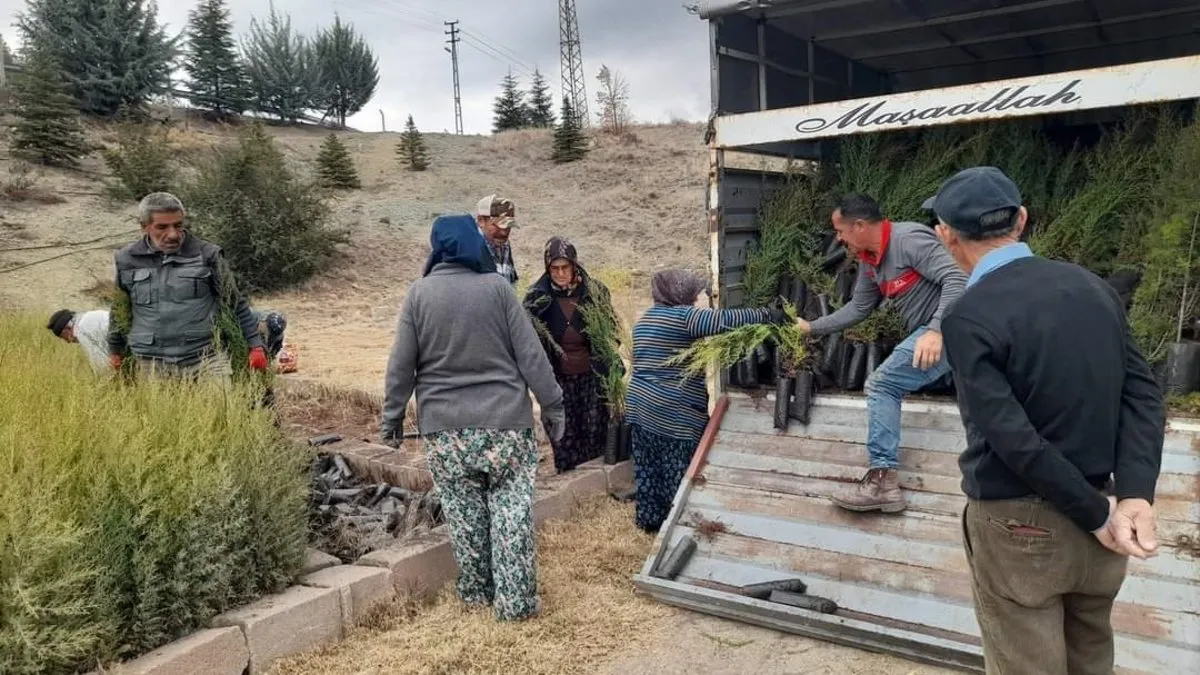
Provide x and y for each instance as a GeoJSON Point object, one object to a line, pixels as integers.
{"type": "Point", "coordinates": [967, 196]}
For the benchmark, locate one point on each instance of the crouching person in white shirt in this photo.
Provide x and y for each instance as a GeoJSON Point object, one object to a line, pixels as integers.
{"type": "Point", "coordinates": [89, 330]}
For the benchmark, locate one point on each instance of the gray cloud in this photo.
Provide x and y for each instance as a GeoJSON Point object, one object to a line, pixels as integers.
{"type": "Point", "coordinates": [659, 48]}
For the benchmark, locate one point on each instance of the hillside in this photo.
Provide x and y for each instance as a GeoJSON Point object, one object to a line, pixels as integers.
{"type": "Point", "coordinates": [630, 208]}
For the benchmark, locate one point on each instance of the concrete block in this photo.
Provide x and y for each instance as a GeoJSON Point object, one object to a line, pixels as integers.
{"type": "Point", "coordinates": [561, 494]}
{"type": "Point", "coordinates": [419, 567]}
{"type": "Point", "coordinates": [619, 475]}
{"type": "Point", "coordinates": [315, 560]}
{"type": "Point", "coordinates": [212, 651]}
{"type": "Point", "coordinates": [298, 620]}
{"type": "Point", "coordinates": [361, 588]}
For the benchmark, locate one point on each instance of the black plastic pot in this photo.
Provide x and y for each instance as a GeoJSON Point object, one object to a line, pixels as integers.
{"type": "Point", "coordinates": [875, 356]}
{"type": "Point", "coordinates": [829, 359]}
{"type": "Point", "coordinates": [856, 366]}
{"type": "Point", "coordinates": [844, 283]}
{"type": "Point", "coordinates": [834, 259]}
{"type": "Point", "coordinates": [830, 244]}
{"type": "Point", "coordinates": [823, 299]}
{"type": "Point", "coordinates": [1181, 370]}
{"type": "Point", "coordinates": [798, 295]}
{"type": "Point", "coordinates": [783, 400]}
{"type": "Point", "coordinates": [612, 442]}
{"type": "Point", "coordinates": [747, 373]}
{"type": "Point", "coordinates": [802, 393]}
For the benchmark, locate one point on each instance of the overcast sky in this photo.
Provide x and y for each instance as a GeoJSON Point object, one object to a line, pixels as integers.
{"type": "Point", "coordinates": [659, 48]}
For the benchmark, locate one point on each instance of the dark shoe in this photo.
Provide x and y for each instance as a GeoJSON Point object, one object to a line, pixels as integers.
{"type": "Point", "coordinates": [879, 490]}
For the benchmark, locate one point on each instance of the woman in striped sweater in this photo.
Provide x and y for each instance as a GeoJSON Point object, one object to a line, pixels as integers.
{"type": "Point", "coordinates": [666, 409]}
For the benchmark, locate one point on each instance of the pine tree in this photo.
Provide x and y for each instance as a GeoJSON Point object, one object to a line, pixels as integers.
{"type": "Point", "coordinates": [217, 78]}
{"type": "Point", "coordinates": [114, 53]}
{"type": "Point", "coordinates": [569, 141]}
{"type": "Point", "coordinates": [510, 109]}
{"type": "Point", "coordinates": [335, 166]}
{"type": "Point", "coordinates": [411, 149]}
{"type": "Point", "coordinates": [281, 68]}
{"type": "Point", "coordinates": [48, 129]}
{"type": "Point", "coordinates": [348, 71]}
{"type": "Point", "coordinates": [541, 105]}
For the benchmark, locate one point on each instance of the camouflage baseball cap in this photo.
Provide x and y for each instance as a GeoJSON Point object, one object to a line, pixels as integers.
{"type": "Point", "coordinates": [494, 206]}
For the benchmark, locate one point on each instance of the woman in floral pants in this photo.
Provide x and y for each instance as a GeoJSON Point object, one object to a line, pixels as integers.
{"type": "Point", "coordinates": [466, 347]}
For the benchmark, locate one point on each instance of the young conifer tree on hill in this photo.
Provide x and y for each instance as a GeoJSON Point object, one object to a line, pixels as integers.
{"type": "Point", "coordinates": [541, 104]}
{"type": "Point", "coordinates": [411, 150]}
{"type": "Point", "coordinates": [510, 111]}
{"type": "Point", "coordinates": [569, 142]}
{"type": "Point", "coordinates": [48, 129]}
{"type": "Point", "coordinates": [347, 71]}
{"type": "Point", "coordinates": [335, 166]}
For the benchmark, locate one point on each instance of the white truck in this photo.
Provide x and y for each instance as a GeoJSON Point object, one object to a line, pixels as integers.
{"type": "Point", "coordinates": [788, 76]}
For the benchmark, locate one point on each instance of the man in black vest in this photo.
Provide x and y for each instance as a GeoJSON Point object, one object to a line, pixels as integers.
{"type": "Point", "coordinates": [1065, 426]}
{"type": "Point", "coordinates": [177, 285]}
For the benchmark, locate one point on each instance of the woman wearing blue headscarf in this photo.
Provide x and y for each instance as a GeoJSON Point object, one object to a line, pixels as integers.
{"type": "Point", "coordinates": [465, 345]}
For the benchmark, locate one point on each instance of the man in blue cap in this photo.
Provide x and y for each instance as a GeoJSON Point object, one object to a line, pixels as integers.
{"type": "Point", "coordinates": [1064, 424]}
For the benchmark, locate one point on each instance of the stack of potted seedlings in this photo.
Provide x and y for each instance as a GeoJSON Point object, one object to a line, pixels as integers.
{"type": "Point", "coordinates": [604, 332]}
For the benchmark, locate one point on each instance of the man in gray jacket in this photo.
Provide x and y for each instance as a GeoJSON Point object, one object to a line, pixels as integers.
{"type": "Point", "coordinates": [177, 285]}
{"type": "Point", "coordinates": [906, 265]}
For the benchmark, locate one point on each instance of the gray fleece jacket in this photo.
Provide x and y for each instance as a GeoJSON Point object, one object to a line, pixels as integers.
{"type": "Point", "coordinates": [468, 349]}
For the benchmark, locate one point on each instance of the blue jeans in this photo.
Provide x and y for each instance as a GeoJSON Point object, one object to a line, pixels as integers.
{"type": "Point", "coordinates": [894, 379]}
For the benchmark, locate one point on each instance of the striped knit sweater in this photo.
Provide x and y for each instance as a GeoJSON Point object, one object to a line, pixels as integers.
{"type": "Point", "coordinates": [661, 400]}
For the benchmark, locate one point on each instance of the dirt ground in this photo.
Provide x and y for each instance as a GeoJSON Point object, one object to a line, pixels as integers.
{"type": "Point", "coordinates": [630, 208]}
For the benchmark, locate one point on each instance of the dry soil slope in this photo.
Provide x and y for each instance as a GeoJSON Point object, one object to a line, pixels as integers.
{"type": "Point", "coordinates": [632, 206]}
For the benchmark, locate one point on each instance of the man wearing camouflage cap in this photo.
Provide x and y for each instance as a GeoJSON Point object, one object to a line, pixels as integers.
{"type": "Point", "coordinates": [496, 217]}
{"type": "Point", "coordinates": [1064, 425]}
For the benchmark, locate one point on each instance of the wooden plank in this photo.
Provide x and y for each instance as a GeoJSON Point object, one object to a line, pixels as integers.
{"type": "Point", "coordinates": [834, 452]}
{"type": "Point", "coordinates": [1171, 528]}
{"type": "Point", "coordinates": [730, 504]}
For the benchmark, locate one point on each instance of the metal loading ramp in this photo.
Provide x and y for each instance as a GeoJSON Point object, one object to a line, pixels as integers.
{"type": "Point", "coordinates": [754, 501]}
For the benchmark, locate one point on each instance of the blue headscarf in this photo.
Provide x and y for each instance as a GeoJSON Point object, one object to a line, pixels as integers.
{"type": "Point", "coordinates": [457, 240]}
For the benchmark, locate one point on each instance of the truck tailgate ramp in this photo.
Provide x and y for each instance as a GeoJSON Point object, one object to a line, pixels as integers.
{"type": "Point", "coordinates": [755, 502]}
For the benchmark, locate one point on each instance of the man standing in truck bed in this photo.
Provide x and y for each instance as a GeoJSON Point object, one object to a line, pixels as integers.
{"type": "Point", "coordinates": [906, 264]}
{"type": "Point", "coordinates": [177, 285]}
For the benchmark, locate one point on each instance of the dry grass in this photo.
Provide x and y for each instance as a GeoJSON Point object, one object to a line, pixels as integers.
{"type": "Point", "coordinates": [590, 614]}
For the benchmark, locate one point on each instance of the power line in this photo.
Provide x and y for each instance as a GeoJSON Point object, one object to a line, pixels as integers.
{"type": "Point", "coordinates": [454, 38]}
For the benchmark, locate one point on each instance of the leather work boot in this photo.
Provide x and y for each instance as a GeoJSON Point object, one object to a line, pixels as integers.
{"type": "Point", "coordinates": [879, 490]}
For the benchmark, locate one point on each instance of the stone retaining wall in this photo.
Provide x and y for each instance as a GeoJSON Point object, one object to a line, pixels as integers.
{"type": "Point", "coordinates": [328, 598]}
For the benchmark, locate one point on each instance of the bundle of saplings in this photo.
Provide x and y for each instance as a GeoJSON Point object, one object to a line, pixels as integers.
{"type": "Point", "coordinates": [1119, 198]}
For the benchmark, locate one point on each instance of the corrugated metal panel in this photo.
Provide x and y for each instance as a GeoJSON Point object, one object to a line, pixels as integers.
{"type": "Point", "coordinates": [901, 581]}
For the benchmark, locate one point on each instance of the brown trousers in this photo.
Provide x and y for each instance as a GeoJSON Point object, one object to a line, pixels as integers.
{"type": "Point", "coordinates": [1043, 589]}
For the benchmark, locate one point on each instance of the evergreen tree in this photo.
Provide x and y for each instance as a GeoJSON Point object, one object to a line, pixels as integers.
{"type": "Point", "coordinates": [217, 79]}
{"type": "Point", "coordinates": [348, 71]}
{"type": "Point", "coordinates": [48, 129]}
{"type": "Point", "coordinates": [569, 142]}
{"type": "Point", "coordinates": [541, 104]}
{"type": "Point", "coordinates": [411, 149]}
{"type": "Point", "coordinates": [114, 53]}
{"type": "Point", "coordinates": [281, 68]}
{"type": "Point", "coordinates": [510, 110]}
{"type": "Point", "coordinates": [6, 56]}
{"type": "Point", "coordinates": [335, 166]}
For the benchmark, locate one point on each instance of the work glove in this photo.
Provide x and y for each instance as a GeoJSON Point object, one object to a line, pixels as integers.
{"type": "Point", "coordinates": [555, 421]}
{"type": "Point", "coordinates": [393, 438]}
{"type": "Point", "coordinates": [116, 360]}
{"type": "Point", "coordinates": [258, 358]}
{"type": "Point", "coordinates": [776, 315]}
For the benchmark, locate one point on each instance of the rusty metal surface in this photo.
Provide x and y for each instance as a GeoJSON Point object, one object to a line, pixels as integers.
{"type": "Point", "coordinates": [757, 507]}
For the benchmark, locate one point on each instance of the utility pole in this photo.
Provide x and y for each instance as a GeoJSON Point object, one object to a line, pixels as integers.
{"type": "Point", "coordinates": [453, 49]}
{"type": "Point", "coordinates": [571, 61]}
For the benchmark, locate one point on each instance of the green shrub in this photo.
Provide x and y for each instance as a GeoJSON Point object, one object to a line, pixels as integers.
{"type": "Point", "coordinates": [142, 161]}
{"type": "Point", "coordinates": [131, 516]}
{"type": "Point", "coordinates": [335, 166]}
{"type": "Point", "coordinates": [275, 228]}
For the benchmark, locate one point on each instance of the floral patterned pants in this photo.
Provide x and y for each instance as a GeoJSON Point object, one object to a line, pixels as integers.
{"type": "Point", "coordinates": [485, 482]}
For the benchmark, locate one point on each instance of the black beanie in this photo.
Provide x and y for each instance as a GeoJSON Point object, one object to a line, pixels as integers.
{"type": "Point", "coordinates": [60, 320]}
